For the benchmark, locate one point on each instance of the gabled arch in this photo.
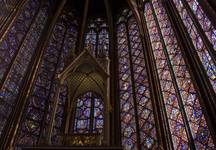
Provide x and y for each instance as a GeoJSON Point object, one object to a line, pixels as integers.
{"type": "Point", "coordinates": [85, 74]}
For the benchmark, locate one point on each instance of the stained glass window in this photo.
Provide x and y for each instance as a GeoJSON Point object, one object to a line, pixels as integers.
{"type": "Point", "coordinates": [37, 116]}
{"type": "Point", "coordinates": [60, 115]}
{"type": "Point", "coordinates": [97, 38]}
{"type": "Point", "coordinates": [103, 43]}
{"type": "Point", "coordinates": [89, 114]}
{"type": "Point", "coordinates": [14, 77]}
{"type": "Point", "coordinates": [13, 38]}
{"type": "Point", "coordinates": [91, 41]}
{"type": "Point", "coordinates": [181, 100]}
{"type": "Point", "coordinates": [204, 21]}
{"type": "Point", "coordinates": [198, 42]}
{"type": "Point", "coordinates": [137, 119]}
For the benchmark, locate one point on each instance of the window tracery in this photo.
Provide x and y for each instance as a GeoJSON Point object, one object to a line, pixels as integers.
{"type": "Point", "coordinates": [97, 38]}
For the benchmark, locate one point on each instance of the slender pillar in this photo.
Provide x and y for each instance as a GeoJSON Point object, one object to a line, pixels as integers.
{"type": "Point", "coordinates": [108, 106]}
{"type": "Point", "coordinates": [6, 23]}
{"type": "Point", "coordinates": [53, 114]}
{"type": "Point", "coordinates": [115, 129]}
{"type": "Point", "coordinates": [83, 27]}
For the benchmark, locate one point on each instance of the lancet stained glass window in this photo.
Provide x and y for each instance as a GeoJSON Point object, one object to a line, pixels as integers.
{"type": "Point", "coordinates": [180, 97]}
{"type": "Point", "coordinates": [137, 119]}
{"type": "Point", "coordinates": [13, 38]}
{"type": "Point", "coordinates": [89, 114]}
{"type": "Point", "coordinates": [37, 116]}
{"type": "Point", "coordinates": [204, 21]}
{"type": "Point", "coordinates": [97, 38]}
{"type": "Point", "coordinates": [203, 52]}
{"type": "Point", "coordinates": [10, 88]}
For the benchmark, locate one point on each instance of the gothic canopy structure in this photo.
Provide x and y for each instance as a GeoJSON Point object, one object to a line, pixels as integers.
{"type": "Point", "coordinates": [108, 74]}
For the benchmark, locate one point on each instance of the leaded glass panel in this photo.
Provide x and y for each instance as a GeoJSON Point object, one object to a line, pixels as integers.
{"type": "Point", "coordinates": [11, 86]}
{"type": "Point", "coordinates": [137, 119]}
{"type": "Point", "coordinates": [62, 41]}
{"type": "Point", "coordinates": [89, 114]}
{"type": "Point", "coordinates": [97, 38]}
{"type": "Point", "coordinates": [200, 47]}
{"type": "Point", "coordinates": [168, 51]}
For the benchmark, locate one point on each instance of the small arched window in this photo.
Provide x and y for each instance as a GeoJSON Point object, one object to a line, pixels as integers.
{"type": "Point", "coordinates": [89, 114]}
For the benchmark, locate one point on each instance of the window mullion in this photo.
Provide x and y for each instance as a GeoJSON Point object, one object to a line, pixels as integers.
{"type": "Point", "coordinates": [92, 114]}
{"type": "Point", "coordinates": [97, 42]}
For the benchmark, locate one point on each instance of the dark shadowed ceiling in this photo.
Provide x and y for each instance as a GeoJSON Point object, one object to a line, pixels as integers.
{"type": "Point", "coordinates": [97, 7]}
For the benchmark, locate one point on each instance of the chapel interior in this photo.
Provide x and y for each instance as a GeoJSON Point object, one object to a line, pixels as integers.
{"type": "Point", "coordinates": [107, 74]}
